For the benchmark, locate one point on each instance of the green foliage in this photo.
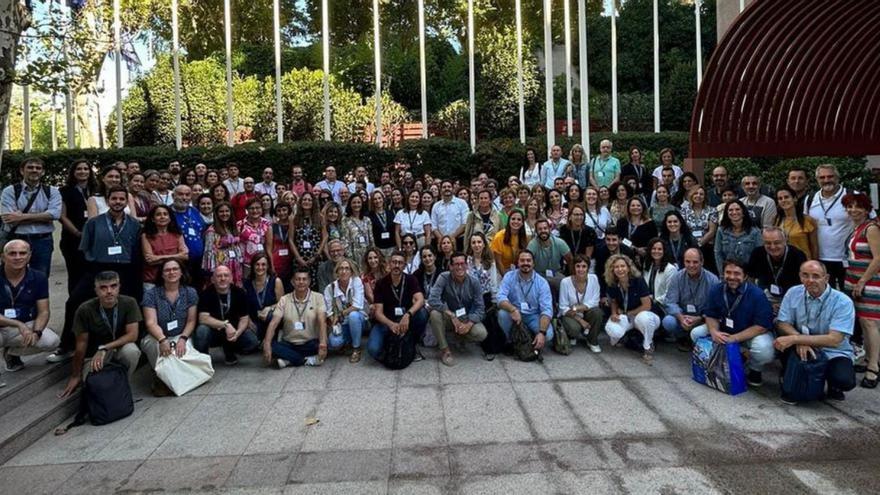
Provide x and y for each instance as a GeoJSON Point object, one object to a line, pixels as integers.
{"type": "Point", "coordinates": [774, 171]}
{"type": "Point", "coordinates": [453, 120]}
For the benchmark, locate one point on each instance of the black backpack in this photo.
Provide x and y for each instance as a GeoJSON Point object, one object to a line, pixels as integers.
{"type": "Point", "coordinates": [496, 340]}
{"type": "Point", "coordinates": [521, 339]}
{"type": "Point", "coordinates": [106, 396]}
{"type": "Point", "coordinates": [399, 351]}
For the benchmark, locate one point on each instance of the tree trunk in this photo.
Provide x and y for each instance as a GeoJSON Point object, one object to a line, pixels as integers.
{"type": "Point", "coordinates": [14, 19]}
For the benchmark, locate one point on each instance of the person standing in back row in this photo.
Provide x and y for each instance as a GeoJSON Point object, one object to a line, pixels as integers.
{"type": "Point", "coordinates": [835, 226]}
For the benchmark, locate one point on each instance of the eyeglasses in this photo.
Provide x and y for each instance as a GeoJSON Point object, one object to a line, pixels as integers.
{"type": "Point", "coordinates": [408, 243]}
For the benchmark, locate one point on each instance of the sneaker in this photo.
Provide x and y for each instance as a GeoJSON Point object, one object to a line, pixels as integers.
{"type": "Point", "coordinates": [447, 359]}
{"type": "Point", "coordinates": [835, 394]}
{"type": "Point", "coordinates": [595, 348]}
{"type": "Point", "coordinates": [59, 356]}
{"type": "Point", "coordinates": [489, 356]}
{"type": "Point", "coordinates": [858, 352]}
{"type": "Point", "coordinates": [648, 356]}
{"type": "Point", "coordinates": [755, 378]}
{"type": "Point", "coordinates": [313, 361]}
{"type": "Point", "coordinates": [684, 345]}
{"type": "Point", "coordinates": [13, 363]}
{"type": "Point", "coordinates": [785, 400]}
{"type": "Point", "coordinates": [282, 363]}
{"type": "Point", "coordinates": [355, 356]}
{"type": "Point", "coordinates": [418, 357]}
{"type": "Point", "coordinates": [231, 359]}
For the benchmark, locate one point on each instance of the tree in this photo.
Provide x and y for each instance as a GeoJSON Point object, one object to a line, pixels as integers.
{"type": "Point", "coordinates": [15, 18]}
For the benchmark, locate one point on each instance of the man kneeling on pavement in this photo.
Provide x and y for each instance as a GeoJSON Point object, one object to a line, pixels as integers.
{"type": "Point", "coordinates": [456, 302]}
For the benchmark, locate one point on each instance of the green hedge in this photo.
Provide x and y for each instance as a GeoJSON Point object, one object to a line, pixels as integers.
{"type": "Point", "coordinates": [437, 156]}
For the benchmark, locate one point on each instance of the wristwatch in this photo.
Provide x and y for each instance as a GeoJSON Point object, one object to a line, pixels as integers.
{"type": "Point", "coordinates": [102, 348]}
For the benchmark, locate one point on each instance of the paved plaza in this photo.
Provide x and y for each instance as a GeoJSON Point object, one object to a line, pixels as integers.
{"type": "Point", "coordinates": [583, 423]}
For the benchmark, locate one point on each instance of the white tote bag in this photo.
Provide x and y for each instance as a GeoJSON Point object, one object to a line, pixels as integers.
{"type": "Point", "coordinates": [186, 373]}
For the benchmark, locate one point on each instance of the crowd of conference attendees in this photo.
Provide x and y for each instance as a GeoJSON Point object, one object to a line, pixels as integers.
{"type": "Point", "coordinates": [159, 261]}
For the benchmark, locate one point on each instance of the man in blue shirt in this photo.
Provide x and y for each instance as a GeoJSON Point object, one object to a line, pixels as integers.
{"type": "Point", "coordinates": [738, 311]}
{"type": "Point", "coordinates": [814, 318]}
{"type": "Point", "coordinates": [331, 184]}
{"type": "Point", "coordinates": [524, 297]}
{"type": "Point", "coordinates": [191, 226]}
{"type": "Point", "coordinates": [686, 296]}
{"type": "Point", "coordinates": [24, 303]}
{"type": "Point", "coordinates": [554, 167]}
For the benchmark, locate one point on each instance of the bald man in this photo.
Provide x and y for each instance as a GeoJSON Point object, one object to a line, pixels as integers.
{"type": "Point", "coordinates": [24, 302]}
{"type": "Point", "coordinates": [815, 320]}
{"type": "Point", "coordinates": [223, 318]}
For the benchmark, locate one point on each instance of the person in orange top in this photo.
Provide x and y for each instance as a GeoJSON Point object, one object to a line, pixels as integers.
{"type": "Point", "coordinates": [507, 243]}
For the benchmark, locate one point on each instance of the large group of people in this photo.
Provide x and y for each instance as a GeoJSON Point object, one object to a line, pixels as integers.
{"type": "Point", "coordinates": [303, 272]}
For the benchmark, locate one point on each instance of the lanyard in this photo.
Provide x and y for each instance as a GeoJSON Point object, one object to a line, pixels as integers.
{"type": "Point", "coordinates": [676, 247]}
{"type": "Point", "coordinates": [107, 321]}
{"type": "Point", "coordinates": [625, 294]}
{"type": "Point", "coordinates": [429, 282]}
{"type": "Point", "coordinates": [525, 293]}
{"type": "Point", "coordinates": [640, 171]}
{"type": "Point", "coordinates": [381, 216]}
{"type": "Point", "coordinates": [576, 245]}
{"type": "Point", "coordinates": [224, 308]}
{"type": "Point", "coordinates": [694, 292]}
{"type": "Point", "coordinates": [595, 221]}
{"type": "Point", "coordinates": [173, 307]}
{"type": "Point", "coordinates": [345, 297]}
{"type": "Point", "coordinates": [578, 295]}
{"type": "Point", "coordinates": [833, 202]}
{"type": "Point", "coordinates": [398, 293]}
{"type": "Point", "coordinates": [554, 166]}
{"type": "Point", "coordinates": [811, 326]}
{"type": "Point", "coordinates": [8, 288]}
{"type": "Point", "coordinates": [261, 295]}
{"type": "Point", "coordinates": [359, 227]}
{"type": "Point", "coordinates": [282, 232]}
{"type": "Point", "coordinates": [457, 293]}
{"type": "Point", "coordinates": [631, 228]}
{"type": "Point", "coordinates": [412, 221]}
{"type": "Point", "coordinates": [301, 308]}
{"type": "Point", "coordinates": [775, 272]}
{"type": "Point", "coordinates": [652, 277]}
{"type": "Point", "coordinates": [112, 228]}
{"type": "Point", "coordinates": [731, 309]}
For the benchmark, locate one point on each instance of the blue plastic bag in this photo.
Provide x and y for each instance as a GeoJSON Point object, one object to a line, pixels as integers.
{"type": "Point", "coordinates": [719, 366]}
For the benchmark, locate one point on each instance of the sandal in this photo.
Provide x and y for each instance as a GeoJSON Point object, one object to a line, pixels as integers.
{"type": "Point", "coordinates": [355, 356]}
{"type": "Point", "coordinates": [648, 356]}
{"type": "Point", "coordinates": [871, 382]}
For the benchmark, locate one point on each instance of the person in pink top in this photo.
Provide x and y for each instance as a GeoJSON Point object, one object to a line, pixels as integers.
{"type": "Point", "coordinates": [161, 241]}
{"type": "Point", "coordinates": [254, 233]}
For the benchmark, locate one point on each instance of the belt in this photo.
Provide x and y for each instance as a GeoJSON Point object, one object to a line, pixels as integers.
{"type": "Point", "coordinates": [32, 236]}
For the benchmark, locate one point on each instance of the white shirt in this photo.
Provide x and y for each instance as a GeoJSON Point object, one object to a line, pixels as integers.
{"type": "Point", "coordinates": [835, 226]}
{"type": "Point", "coordinates": [354, 296]}
{"type": "Point", "coordinates": [262, 188]}
{"type": "Point", "coordinates": [531, 177]}
{"type": "Point", "coordinates": [600, 223]}
{"type": "Point", "coordinates": [352, 187]}
{"type": "Point", "coordinates": [569, 296]}
{"type": "Point", "coordinates": [412, 222]}
{"type": "Point", "coordinates": [661, 281]}
{"type": "Point", "coordinates": [763, 210]}
{"type": "Point", "coordinates": [658, 173]}
{"type": "Point", "coordinates": [447, 217]}
{"type": "Point", "coordinates": [234, 186]}
{"type": "Point", "coordinates": [334, 189]}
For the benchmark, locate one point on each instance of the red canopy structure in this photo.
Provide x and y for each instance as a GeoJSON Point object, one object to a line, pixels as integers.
{"type": "Point", "coordinates": [793, 78]}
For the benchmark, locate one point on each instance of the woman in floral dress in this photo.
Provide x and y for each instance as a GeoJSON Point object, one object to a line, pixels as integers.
{"type": "Point", "coordinates": [307, 242]}
{"type": "Point", "coordinates": [222, 244]}
{"type": "Point", "coordinates": [357, 229]}
{"type": "Point", "coordinates": [255, 233]}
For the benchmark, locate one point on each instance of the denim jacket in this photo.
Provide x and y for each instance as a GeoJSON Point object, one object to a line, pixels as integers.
{"type": "Point", "coordinates": [729, 246]}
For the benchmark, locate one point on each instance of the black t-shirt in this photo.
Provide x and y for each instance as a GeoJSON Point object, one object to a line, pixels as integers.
{"type": "Point", "coordinates": [231, 306]}
{"type": "Point", "coordinates": [642, 175]}
{"type": "Point", "coordinates": [601, 255]}
{"type": "Point", "coordinates": [75, 203]}
{"type": "Point", "coordinates": [637, 290]}
{"type": "Point", "coordinates": [383, 234]}
{"type": "Point", "coordinates": [578, 241]}
{"type": "Point", "coordinates": [786, 277]}
{"type": "Point", "coordinates": [640, 235]}
{"type": "Point", "coordinates": [394, 297]}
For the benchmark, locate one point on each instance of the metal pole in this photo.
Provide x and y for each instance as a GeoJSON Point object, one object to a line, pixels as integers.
{"type": "Point", "coordinates": [585, 93]}
{"type": "Point", "coordinates": [53, 128]}
{"type": "Point", "coordinates": [548, 76]}
{"type": "Point", "coordinates": [26, 114]}
{"type": "Point", "coordinates": [470, 33]}
{"type": "Point", "coordinates": [422, 72]}
{"type": "Point", "coordinates": [69, 102]}
{"type": "Point", "coordinates": [568, 109]}
{"type": "Point", "coordinates": [276, 20]}
{"type": "Point", "coordinates": [377, 48]}
{"type": "Point", "coordinates": [656, 68]}
{"type": "Point", "coordinates": [699, 43]}
{"type": "Point", "coordinates": [325, 28]}
{"type": "Point", "coordinates": [175, 62]}
{"type": "Point", "coordinates": [117, 49]}
{"type": "Point", "coordinates": [742, 5]}
{"type": "Point", "coordinates": [614, 67]}
{"type": "Point", "coordinates": [230, 124]}
{"type": "Point", "coordinates": [519, 74]}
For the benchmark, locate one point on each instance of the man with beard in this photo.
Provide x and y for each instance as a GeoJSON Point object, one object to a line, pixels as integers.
{"type": "Point", "coordinates": [524, 298]}
{"type": "Point", "coordinates": [400, 306]}
{"type": "Point", "coordinates": [550, 252]}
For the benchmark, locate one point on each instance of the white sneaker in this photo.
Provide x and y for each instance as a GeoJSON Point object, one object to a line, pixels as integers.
{"type": "Point", "coordinates": [313, 361]}
{"type": "Point", "coordinates": [283, 363]}
{"type": "Point", "coordinates": [573, 342]}
{"type": "Point", "coordinates": [595, 348]}
{"type": "Point", "coordinates": [858, 353]}
{"type": "Point", "coordinates": [59, 357]}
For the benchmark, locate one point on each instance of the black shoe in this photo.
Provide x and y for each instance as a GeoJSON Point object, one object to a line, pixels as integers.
{"type": "Point", "coordinates": [13, 363]}
{"type": "Point", "coordinates": [685, 345]}
{"type": "Point", "coordinates": [835, 394]}
{"type": "Point", "coordinates": [231, 359]}
{"type": "Point", "coordinates": [488, 356]}
{"type": "Point", "coordinates": [755, 378]}
{"type": "Point", "coordinates": [785, 400]}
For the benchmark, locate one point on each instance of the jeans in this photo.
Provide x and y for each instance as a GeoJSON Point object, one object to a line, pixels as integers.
{"type": "Point", "coordinates": [760, 347]}
{"type": "Point", "coordinates": [206, 337]}
{"type": "Point", "coordinates": [645, 322]}
{"type": "Point", "coordinates": [41, 251]}
{"type": "Point", "coordinates": [839, 375]}
{"type": "Point", "coordinates": [671, 325]}
{"type": "Point", "coordinates": [532, 323]}
{"type": "Point", "coordinates": [379, 331]}
{"type": "Point", "coordinates": [295, 354]}
{"type": "Point", "coordinates": [352, 329]}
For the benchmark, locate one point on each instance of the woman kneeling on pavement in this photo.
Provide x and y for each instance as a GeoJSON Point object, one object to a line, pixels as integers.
{"type": "Point", "coordinates": [344, 298]}
{"type": "Point", "coordinates": [630, 304]}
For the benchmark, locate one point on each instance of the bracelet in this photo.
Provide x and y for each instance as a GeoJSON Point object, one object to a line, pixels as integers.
{"type": "Point", "coordinates": [183, 337]}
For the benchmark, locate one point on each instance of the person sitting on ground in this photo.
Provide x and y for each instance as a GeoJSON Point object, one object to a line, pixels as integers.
{"type": "Point", "coordinates": [456, 304]}
{"type": "Point", "coordinates": [630, 304]}
{"type": "Point", "coordinates": [106, 328]}
{"type": "Point", "coordinates": [264, 289]}
{"type": "Point", "coordinates": [774, 266]}
{"type": "Point", "coordinates": [344, 301]}
{"type": "Point", "coordinates": [686, 297]}
{"type": "Point", "coordinates": [813, 319]}
{"type": "Point", "coordinates": [579, 309]}
{"type": "Point", "coordinates": [738, 311]}
{"type": "Point", "coordinates": [223, 318]}
{"type": "Point", "coordinates": [524, 298]}
{"type": "Point", "coordinates": [399, 303]}
{"type": "Point", "coordinates": [302, 318]}
{"type": "Point", "coordinates": [170, 316]}
{"type": "Point", "coordinates": [25, 303]}
{"type": "Point", "coordinates": [327, 269]}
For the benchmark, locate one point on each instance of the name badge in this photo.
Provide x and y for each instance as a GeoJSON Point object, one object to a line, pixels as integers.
{"type": "Point", "coordinates": [398, 311]}
{"type": "Point", "coordinates": [283, 252]}
{"type": "Point", "coordinates": [691, 308]}
{"type": "Point", "coordinates": [307, 245]}
{"type": "Point", "coordinates": [600, 173]}
{"type": "Point", "coordinates": [191, 231]}
{"type": "Point", "coordinates": [775, 290]}
{"type": "Point", "coordinates": [845, 263]}
{"type": "Point", "coordinates": [86, 214]}
{"type": "Point", "coordinates": [626, 242]}
{"type": "Point", "coordinates": [361, 239]}
{"type": "Point", "coordinates": [728, 322]}
{"type": "Point", "coordinates": [298, 325]}
{"type": "Point", "coordinates": [524, 306]}
{"type": "Point", "coordinates": [698, 233]}
{"type": "Point", "coordinates": [385, 235]}
{"type": "Point", "coordinates": [172, 325]}
{"type": "Point", "coordinates": [10, 313]}
{"type": "Point", "coordinates": [460, 312]}
{"type": "Point", "coordinates": [231, 254]}
{"type": "Point", "coordinates": [549, 273]}
{"type": "Point", "coordinates": [114, 250]}
{"type": "Point", "coordinates": [805, 330]}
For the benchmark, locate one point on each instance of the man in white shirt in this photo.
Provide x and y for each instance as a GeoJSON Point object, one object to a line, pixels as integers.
{"type": "Point", "coordinates": [835, 226]}
{"type": "Point", "coordinates": [449, 215]}
{"type": "Point", "coordinates": [554, 167]}
{"type": "Point", "coordinates": [234, 184]}
{"type": "Point", "coordinates": [761, 208]}
{"type": "Point", "coordinates": [331, 184]}
{"type": "Point", "coordinates": [268, 185]}
{"type": "Point", "coordinates": [360, 175]}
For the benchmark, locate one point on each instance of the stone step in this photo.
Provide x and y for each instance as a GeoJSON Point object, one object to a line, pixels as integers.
{"type": "Point", "coordinates": [37, 376]}
{"type": "Point", "coordinates": [34, 417]}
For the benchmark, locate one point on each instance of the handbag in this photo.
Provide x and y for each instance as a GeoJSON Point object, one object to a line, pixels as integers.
{"type": "Point", "coordinates": [718, 366]}
{"type": "Point", "coordinates": [183, 374]}
{"type": "Point", "coordinates": [804, 381]}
